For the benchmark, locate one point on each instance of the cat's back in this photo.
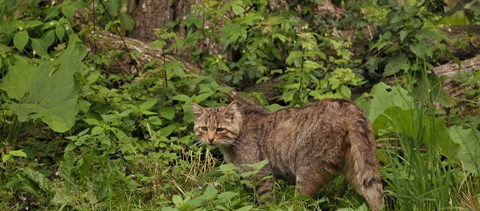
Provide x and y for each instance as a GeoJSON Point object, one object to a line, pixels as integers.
{"type": "Point", "coordinates": [328, 110]}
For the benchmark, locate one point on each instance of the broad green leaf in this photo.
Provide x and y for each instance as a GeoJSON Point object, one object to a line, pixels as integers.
{"type": "Point", "coordinates": [68, 11]}
{"type": "Point", "coordinates": [148, 104]}
{"type": "Point", "coordinates": [154, 120]}
{"type": "Point", "coordinates": [18, 153]}
{"type": "Point", "coordinates": [245, 208]}
{"type": "Point", "coordinates": [60, 32]}
{"type": "Point", "coordinates": [295, 58]}
{"type": "Point", "coordinates": [167, 112]}
{"type": "Point", "coordinates": [97, 130]}
{"type": "Point", "coordinates": [113, 7]}
{"type": "Point", "coordinates": [37, 182]}
{"type": "Point", "coordinates": [182, 97]}
{"type": "Point", "coordinates": [226, 168]}
{"type": "Point", "coordinates": [52, 94]}
{"type": "Point", "coordinates": [177, 200]}
{"type": "Point", "coordinates": [174, 68]}
{"type": "Point", "coordinates": [5, 158]}
{"type": "Point", "coordinates": [237, 8]}
{"type": "Point", "coordinates": [419, 50]}
{"type": "Point", "coordinates": [383, 97]}
{"type": "Point", "coordinates": [126, 22]}
{"type": "Point", "coordinates": [224, 196]}
{"type": "Point", "coordinates": [311, 65]}
{"type": "Point", "coordinates": [469, 151]}
{"type": "Point", "coordinates": [403, 34]}
{"type": "Point", "coordinates": [39, 47]}
{"type": "Point", "coordinates": [210, 192]}
{"type": "Point", "coordinates": [201, 97]}
{"type": "Point", "coordinates": [345, 91]}
{"type": "Point", "coordinates": [166, 131]}
{"type": "Point", "coordinates": [193, 20]}
{"type": "Point", "coordinates": [231, 33]}
{"type": "Point", "coordinates": [48, 37]}
{"type": "Point", "coordinates": [91, 121]}
{"type": "Point", "coordinates": [33, 23]}
{"type": "Point", "coordinates": [410, 123]}
{"type": "Point", "coordinates": [396, 63]}
{"type": "Point", "coordinates": [20, 40]}
{"type": "Point", "coordinates": [19, 79]}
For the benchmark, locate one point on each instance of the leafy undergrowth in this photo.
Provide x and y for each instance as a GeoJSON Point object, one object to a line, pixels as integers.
{"type": "Point", "coordinates": [75, 137]}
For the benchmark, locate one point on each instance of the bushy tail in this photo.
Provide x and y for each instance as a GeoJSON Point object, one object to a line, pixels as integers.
{"type": "Point", "coordinates": [362, 167]}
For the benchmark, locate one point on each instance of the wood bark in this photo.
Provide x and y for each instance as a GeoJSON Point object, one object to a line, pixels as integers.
{"type": "Point", "coordinates": [152, 14]}
{"type": "Point", "coordinates": [449, 70]}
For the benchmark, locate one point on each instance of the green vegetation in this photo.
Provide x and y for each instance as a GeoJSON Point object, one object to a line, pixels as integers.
{"type": "Point", "coordinates": [76, 137]}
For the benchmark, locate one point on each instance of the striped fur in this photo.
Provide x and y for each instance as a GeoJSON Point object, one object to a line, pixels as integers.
{"type": "Point", "coordinates": [304, 146]}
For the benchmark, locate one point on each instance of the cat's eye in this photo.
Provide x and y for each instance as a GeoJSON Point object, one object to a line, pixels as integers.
{"type": "Point", "coordinates": [204, 128]}
{"type": "Point", "coordinates": [220, 129]}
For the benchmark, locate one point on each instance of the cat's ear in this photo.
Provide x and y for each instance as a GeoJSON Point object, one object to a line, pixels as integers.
{"type": "Point", "coordinates": [230, 110]}
{"type": "Point", "coordinates": [197, 110]}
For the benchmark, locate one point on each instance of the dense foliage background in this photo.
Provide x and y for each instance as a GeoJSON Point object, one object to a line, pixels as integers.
{"type": "Point", "coordinates": [81, 129]}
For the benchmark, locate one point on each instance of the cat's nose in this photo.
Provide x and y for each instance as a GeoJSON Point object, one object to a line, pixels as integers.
{"type": "Point", "coordinates": [211, 140]}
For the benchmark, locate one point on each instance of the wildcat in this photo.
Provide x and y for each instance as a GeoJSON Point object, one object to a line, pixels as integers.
{"type": "Point", "coordinates": [304, 146]}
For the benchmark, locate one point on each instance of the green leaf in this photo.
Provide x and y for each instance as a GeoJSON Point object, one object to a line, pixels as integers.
{"type": "Point", "coordinates": [148, 104]}
{"type": "Point", "coordinates": [166, 131]}
{"type": "Point", "coordinates": [345, 91]}
{"type": "Point", "coordinates": [383, 97]}
{"type": "Point", "coordinates": [177, 200]}
{"type": "Point", "coordinates": [246, 208]}
{"type": "Point", "coordinates": [5, 158]}
{"type": "Point", "coordinates": [114, 7]}
{"type": "Point", "coordinates": [202, 97]}
{"type": "Point", "coordinates": [91, 121]}
{"type": "Point", "coordinates": [237, 8]}
{"type": "Point", "coordinates": [126, 22]}
{"type": "Point", "coordinates": [210, 192]}
{"type": "Point", "coordinates": [20, 40]}
{"type": "Point", "coordinates": [33, 23]}
{"type": "Point", "coordinates": [154, 120]}
{"type": "Point", "coordinates": [20, 79]}
{"type": "Point", "coordinates": [97, 130]}
{"type": "Point", "coordinates": [174, 68]}
{"type": "Point", "coordinates": [40, 47]}
{"type": "Point", "coordinates": [227, 168]}
{"type": "Point", "coordinates": [231, 33]}
{"type": "Point", "coordinates": [396, 63]}
{"type": "Point", "coordinates": [68, 11]}
{"type": "Point", "coordinates": [18, 153]}
{"type": "Point", "coordinates": [469, 151]}
{"type": "Point", "coordinates": [52, 94]}
{"type": "Point", "coordinates": [403, 34]}
{"type": "Point", "coordinates": [37, 182]}
{"type": "Point", "coordinates": [48, 38]}
{"type": "Point", "coordinates": [225, 196]}
{"type": "Point", "coordinates": [167, 112]}
{"type": "Point", "coordinates": [60, 32]}
{"type": "Point", "coordinates": [419, 50]}
{"type": "Point", "coordinates": [182, 97]}
{"type": "Point", "coordinates": [295, 58]}
{"type": "Point", "coordinates": [257, 166]}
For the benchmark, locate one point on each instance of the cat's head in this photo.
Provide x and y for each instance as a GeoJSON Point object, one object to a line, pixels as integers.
{"type": "Point", "coordinates": [217, 125]}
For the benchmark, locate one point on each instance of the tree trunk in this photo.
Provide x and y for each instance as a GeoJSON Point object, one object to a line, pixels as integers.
{"type": "Point", "coordinates": [152, 14]}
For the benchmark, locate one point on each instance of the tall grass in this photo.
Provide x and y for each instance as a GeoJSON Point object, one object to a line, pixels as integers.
{"type": "Point", "coordinates": [419, 173]}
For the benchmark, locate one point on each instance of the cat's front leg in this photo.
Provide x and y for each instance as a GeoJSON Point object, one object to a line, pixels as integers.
{"type": "Point", "coordinates": [264, 189]}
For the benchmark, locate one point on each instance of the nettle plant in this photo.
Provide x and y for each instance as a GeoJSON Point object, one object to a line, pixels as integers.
{"type": "Point", "coordinates": [245, 43]}
{"type": "Point", "coordinates": [408, 40]}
